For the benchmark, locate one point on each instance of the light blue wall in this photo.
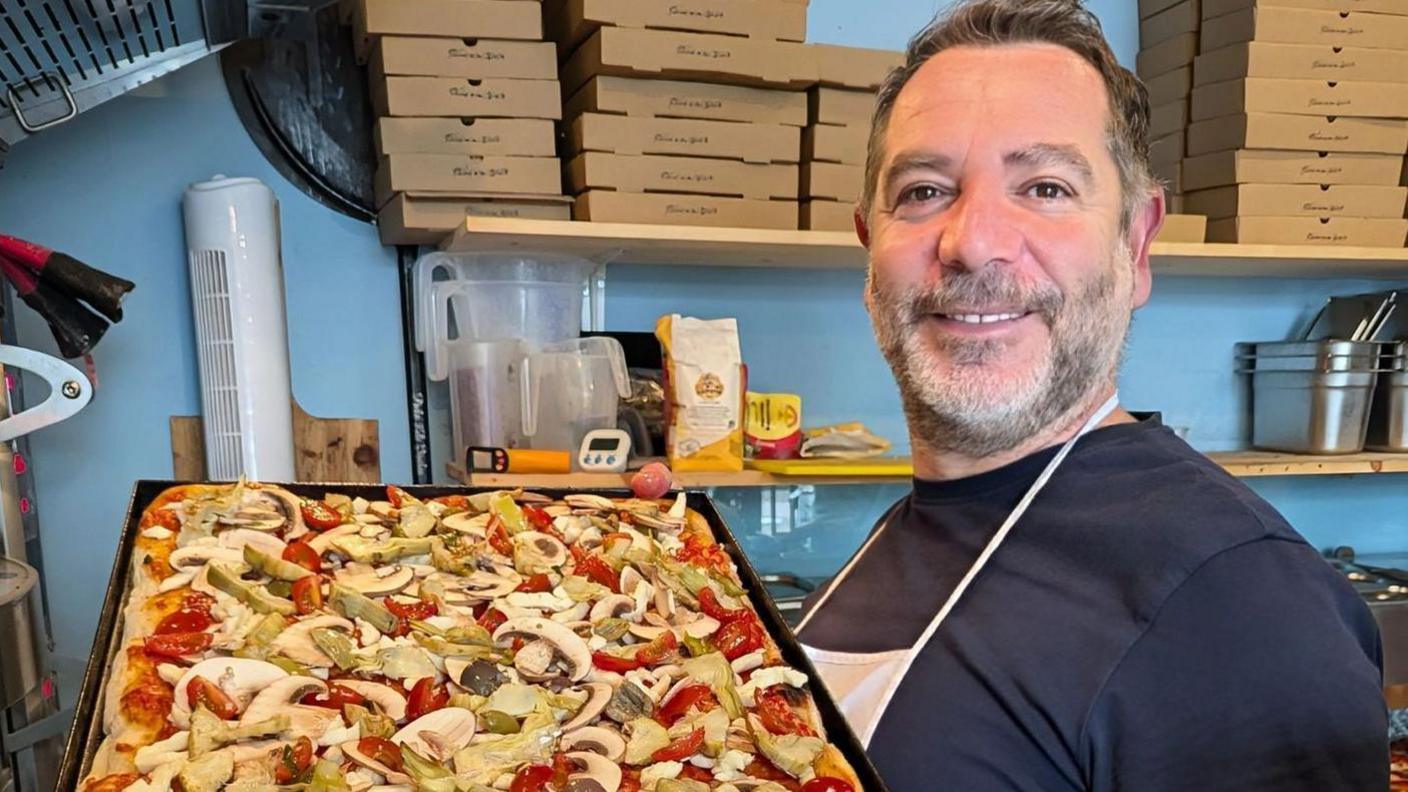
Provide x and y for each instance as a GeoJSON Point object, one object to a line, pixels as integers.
{"type": "Point", "coordinates": [107, 188]}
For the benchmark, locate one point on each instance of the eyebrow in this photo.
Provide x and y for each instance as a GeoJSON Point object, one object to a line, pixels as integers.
{"type": "Point", "coordinates": [1051, 154]}
{"type": "Point", "coordinates": [909, 162]}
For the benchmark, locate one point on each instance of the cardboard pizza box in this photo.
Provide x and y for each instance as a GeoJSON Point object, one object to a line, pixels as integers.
{"type": "Point", "coordinates": [1169, 148]}
{"type": "Point", "coordinates": [570, 22]}
{"type": "Point", "coordinates": [425, 218]}
{"type": "Point", "coordinates": [1242, 166]}
{"type": "Point", "coordinates": [827, 216]}
{"type": "Point", "coordinates": [490, 19]}
{"type": "Point", "coordinates": [1166, 119]}
{"type": "Point", "coordinates": [1171, 174]}
{"type": "Point", "coordinates": [729, 178]}
{"type": "Point", "coordinates": [1298, 133]}
{"type": "Point", "coordinates": [453, 57]}
{"type": "Point", "coordinates": [1170, 86]}
{"type": "Point", "coordinates": [846, 145]}
{"type": "Point", "coordinates": [1301, 62]}
{"type": "Point", "coordinates": [1301, 97]}
{"type": "Point", "coordinates": [832, 182]}
{"type": "Point", "coordinates": [1167, 55]}
{"type": "Point", "coordinates": [460, 97]}
{"type": "Point", "coordinates": [1217, 8]}
{"type": "Point", "coordinates": [459, 174]}
{"type": "Point", "coordinates": [1148, 8]}
{"type": "Point", "coordinates": [853, 67]}
{"type": "Point", "coordinates": [1184, 17]}
{"type": "Point", "coordinates": [690, 210]}
{"type": "Point", "coordinates": [631, 52]}
{"type": "Point", "coordinates": [684, 137]}
{"type": "Point", "coordinates": [1298, 200]}
{"type": "Point", "coordinates": [840, 107]}
{"type": "Point", "coordinates": [1305, 26]}
{"type": "Point", "coordinates": [1183, 228]}
{"type": "Point", "coordinates": [1338, 231]}
{"type": "Point", "coordinates": [676, 99]}
{"type": "Point", "coordinates": [484, 137]}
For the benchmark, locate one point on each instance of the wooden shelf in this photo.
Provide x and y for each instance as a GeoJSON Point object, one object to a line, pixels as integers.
{"type": "Point", "coordinates": [1243, 464]}
{"type": "Point", "coordinates": [1257, 464]}
{"type": "Point", "coordinates": [738, 247]}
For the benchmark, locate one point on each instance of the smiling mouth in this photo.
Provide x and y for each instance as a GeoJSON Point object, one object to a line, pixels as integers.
{"type": "Point", "coordinates": [982, 318]}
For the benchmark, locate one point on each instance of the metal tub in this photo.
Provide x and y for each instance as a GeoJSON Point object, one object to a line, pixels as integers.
{"type": "Point", "coordinates": [1311, 412]}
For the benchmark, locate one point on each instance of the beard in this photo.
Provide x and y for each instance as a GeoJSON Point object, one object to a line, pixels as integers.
{"type": "Point", "coordinates": [957, 395]}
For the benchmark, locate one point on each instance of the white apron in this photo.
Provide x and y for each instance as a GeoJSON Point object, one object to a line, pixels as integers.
{"type": "Point", "coordinates": [862, 684]}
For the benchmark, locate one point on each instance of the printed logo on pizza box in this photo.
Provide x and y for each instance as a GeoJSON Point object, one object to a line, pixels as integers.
{"type": "Point", "coordinates": [694, 13]}
{"type": "Point", "coordinates": [472, 93]}
{"type": "Point", "coordinates": [687, 103]}
{"type": "Point", "coordinates": [688, 209]}
{"type": "Point", "coordinates": [475, 54]}
{"type": "Point", "coordinates": [691, 51]}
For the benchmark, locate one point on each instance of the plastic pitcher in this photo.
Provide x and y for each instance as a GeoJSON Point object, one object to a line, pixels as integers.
{"type": "Point", "coordinates": [571, 388]}
{"type": "Point", "coordinates": [485, 388]}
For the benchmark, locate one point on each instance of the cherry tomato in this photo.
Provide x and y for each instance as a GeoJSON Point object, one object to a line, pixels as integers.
{"type": "Point", "coordinates": [696, 774]}
{"type": "Point", "coordinates": [827, 784]}
{"type": "Point", "coordinates": [532, 778]}
{"type": "Point", "coordinates": [536, 583]}
{"type": "Point", "coordinates": [705, 555]}
{"type": "Point", "coordinates": [630, 780]}
{"type": "Point", "coordinates": [380, 749]}
{"type": "Point", "coordinates": [610, 662]}
{"type": "Point", "coordinates": [419, 611]}
{"type": "Point", "coordinates": [399, 497]}
{"type": "Point", "coordinates": [336, 697]}
{"type": "Point", "coordinates": [201, 692]}
{"type": "Point", "coordinates": [426, 697]}
{"type": "Point", "coordinates": [538, 518]}
{"type": "Point", "coordinates": [294, 761]}
{"type": "Point", "coordinates": [680, 749]}
{"type": "Point", "coordinates": [658, 649]}
{"type": "Point", "coordinates": [319, 515]}
{"type": "Point", "coordinates": [778, 716]}
{"type": "Point", "coordinates": [184, 621]}
{"type": "Point", "coordinates": [492, 618]}
{"type": "Point", "coordinates": [690, 697]}
{"type": "Point", "coordinates": [562, 769]}
{"type": "Point", "coordinates": [498, 537]}
{"type": "Point", "coordinates": [308, 594]}
{"type": "Point", "coordinates": [709, 603]}
{"type": "Point", "coordinates": [595, 569]}
{"type": "Point", "coordinates": [113, 783]}
{"type": "Point", "coordinates": [739, 637]}
{"type": "Point", "coordinates": [761, 768]}
{"type": "Point", "coordinates": [303, 554]}
{"type": "Point", "coordinates": [178, 645]}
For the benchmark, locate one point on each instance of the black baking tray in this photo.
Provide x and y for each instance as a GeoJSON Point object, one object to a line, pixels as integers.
{"type": "Point", "coordinates": [86, 733]}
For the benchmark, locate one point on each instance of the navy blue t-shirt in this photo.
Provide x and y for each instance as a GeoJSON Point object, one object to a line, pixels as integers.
{"type": "Point", "coordinates": [1150, 624]}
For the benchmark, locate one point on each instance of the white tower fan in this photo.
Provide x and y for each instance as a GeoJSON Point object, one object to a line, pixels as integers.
{"type": "Point", "coordinates": [237, 297]}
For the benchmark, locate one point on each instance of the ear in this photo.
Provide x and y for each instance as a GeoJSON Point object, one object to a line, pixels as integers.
{"type": "Point", "coordinates": [1143, 227]}
{"type": "Point", "coordinates": [862, 227]}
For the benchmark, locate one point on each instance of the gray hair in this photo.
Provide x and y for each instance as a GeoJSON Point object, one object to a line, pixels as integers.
{"type": "Point", "coordinates": [1064, 23]}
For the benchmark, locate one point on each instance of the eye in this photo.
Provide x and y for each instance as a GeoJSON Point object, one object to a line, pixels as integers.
{"type": "Point", "coordinates": [1048, 191]}
{"type": "Point", "coordinates": [919, 193]}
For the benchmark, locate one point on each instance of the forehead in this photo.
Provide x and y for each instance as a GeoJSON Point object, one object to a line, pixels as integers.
{"type": "Point", "coordinates": [1006, 96]}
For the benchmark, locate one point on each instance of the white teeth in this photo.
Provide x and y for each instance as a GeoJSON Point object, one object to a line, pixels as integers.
{"type": "Point", "coordinates": [985, 318]}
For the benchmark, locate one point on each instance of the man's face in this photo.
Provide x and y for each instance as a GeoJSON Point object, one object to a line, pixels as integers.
{"type": "Point", "coordinates": [1001, 284]}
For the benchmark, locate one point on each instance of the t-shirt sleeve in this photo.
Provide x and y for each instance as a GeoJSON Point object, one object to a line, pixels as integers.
{"type": "Point", "coordinates": [1262, 671]}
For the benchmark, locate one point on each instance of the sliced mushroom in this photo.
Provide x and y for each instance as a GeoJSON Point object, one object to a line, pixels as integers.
{"type": "Point", "coordinates": [679, 508]}
{"type": "Point", "coordinates": [702, 626]}
{"type": "Point", "coordinates": [587, 501]}
{"type": "Point", "coordinates": [464, 522]}
{"type": "Point", "coordinates": [534, 659]}
{"type": "Point", "coordinates": [614, 606]}
{"type": "Point", "coordinates": [648, 632]}
{"type": "Point", "coordinates": [600, 696]}
{"type": "Point", "coordinates": [192, 556]}
{"type": "Point", "coordinates": [665, 602]}
{"type": "Point", "coordinates": [628, 702]}
{"type": "Point", "coordinates": [488, 585]}
{"type": "Point", "coordinates": [595, 773]}
{"type": "Point", "coordinates": [296, 640]}
{"type": "Point", "coordinates": [349, 750]}
{"type": "Point", "coordinates": [237, 538]}
{"type": "Point", "coordinates": [479, 677]}
{"type": "Point", "coordinates": [390, 700]}
{"type": "Point", "coordinates": [240, 678]}
{"type": "Point", "coordinates": [569, 649]}
{"type": "Point", "coordinates": [596, 739]}
{"type": "Point", "coordinates": [375, 582]}
{"type": "Point", "coordinates": [439, 734]}
{"type": "Point", "coordinates": [383, 509]}
{"type": "Point", "coordinates": [630, 578]}
{"type": "Point", "coordinates": [323, 541]}
{"type": "Point", "coordinates": [573, 616]}
{"type": "Point", "coordinates": [532, 497]}
{"type": "Point", "coordinates": [281, 698]}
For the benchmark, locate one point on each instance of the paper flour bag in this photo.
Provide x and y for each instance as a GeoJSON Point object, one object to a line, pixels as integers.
{"type": "Point", "coordinates": [704, 387]}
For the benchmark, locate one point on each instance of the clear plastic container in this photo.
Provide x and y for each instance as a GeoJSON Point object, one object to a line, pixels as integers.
{"type": "Point", "coordinates": [571, 388]}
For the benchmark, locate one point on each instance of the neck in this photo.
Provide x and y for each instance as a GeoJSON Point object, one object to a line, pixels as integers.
{"type": "Point", "coordinates": [941, 465]}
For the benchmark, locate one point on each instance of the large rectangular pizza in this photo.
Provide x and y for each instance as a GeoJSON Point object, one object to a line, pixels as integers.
{"type": "Point", "coordinates": [495, 641]}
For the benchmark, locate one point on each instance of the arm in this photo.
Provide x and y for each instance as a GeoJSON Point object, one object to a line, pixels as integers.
{"type": "Point", "coordinates": [1260, 672]}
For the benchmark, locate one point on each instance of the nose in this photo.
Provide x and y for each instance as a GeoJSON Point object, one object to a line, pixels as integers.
{"type": "Point", "coordinates": [979, 230]}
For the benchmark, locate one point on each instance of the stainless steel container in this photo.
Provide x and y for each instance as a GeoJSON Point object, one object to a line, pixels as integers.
{"type": "Point", "coordinates": [1312, 397]}
{"type": "Point", "coordinates": [1388, 418]}
{"type": "Point", "coordinates": [19, 669]}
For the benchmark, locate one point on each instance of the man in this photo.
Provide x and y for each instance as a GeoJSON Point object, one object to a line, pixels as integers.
{"type": "Point", "coordinates": [1124, 617]}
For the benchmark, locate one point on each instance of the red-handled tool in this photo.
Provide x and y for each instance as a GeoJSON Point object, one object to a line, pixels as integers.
{"type": "Point", "coordinates": [100, 290]}
{"type": "Point", "coordinates": [75, 328]}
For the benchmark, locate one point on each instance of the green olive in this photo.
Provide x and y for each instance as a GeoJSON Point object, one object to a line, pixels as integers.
{"type": "Point", "coordinates": [498, 722]}
{"type": "Point", "coordinates": [280, 588]}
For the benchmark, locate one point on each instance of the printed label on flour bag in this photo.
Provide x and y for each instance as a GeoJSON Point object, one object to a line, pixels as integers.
{"type": "Point", "coordinates": [704, 381]}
